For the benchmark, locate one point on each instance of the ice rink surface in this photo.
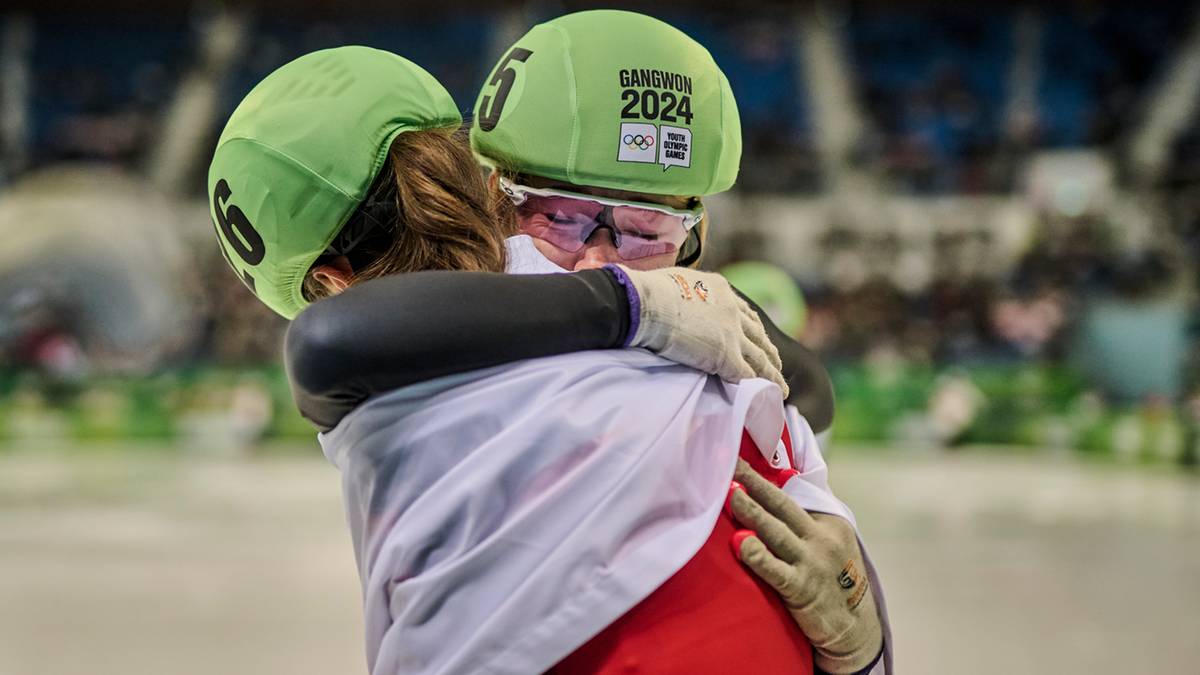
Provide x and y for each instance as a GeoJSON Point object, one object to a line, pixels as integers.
{"type": "Point", "coordinates": [131, 563]}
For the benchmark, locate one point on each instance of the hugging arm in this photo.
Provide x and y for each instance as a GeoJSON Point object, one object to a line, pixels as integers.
{"type": "Point", "coordinates": [408, 328]}
{"type": "Point", "coordinates": [404, 329]}
{"type": "Point", "coordinates": [815, 563]}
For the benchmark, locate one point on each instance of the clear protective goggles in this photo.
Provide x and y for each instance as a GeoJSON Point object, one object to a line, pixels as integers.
{"type": "Point", "coordinates": [568, 219]}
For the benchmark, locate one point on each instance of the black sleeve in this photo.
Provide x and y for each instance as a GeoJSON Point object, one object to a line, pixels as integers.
{"type": "Point", "coordinates": [809, 385]}
{"type": "Point", "coordinates": [407, 328]}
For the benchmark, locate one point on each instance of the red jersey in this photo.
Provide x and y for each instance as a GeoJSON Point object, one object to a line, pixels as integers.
{"type": "Point", "coordinates": [713, 616]}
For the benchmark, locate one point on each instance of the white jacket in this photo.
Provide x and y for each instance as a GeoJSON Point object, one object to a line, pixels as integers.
{"type": "Point", "coordinates": [501, 518]}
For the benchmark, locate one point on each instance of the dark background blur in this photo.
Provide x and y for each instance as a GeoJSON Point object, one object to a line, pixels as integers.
{"type": "Point", "coordinates": [993, 212]}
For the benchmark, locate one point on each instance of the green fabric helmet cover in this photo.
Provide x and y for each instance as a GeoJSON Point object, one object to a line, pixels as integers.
{"type": "Point", "coordinates": [773, 289]}
{"type": "Point", "coordinates": [299, 154]}
{"type": "Point", "coordinates": [611, 99]}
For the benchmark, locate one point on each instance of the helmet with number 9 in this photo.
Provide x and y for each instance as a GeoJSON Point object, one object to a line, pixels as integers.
{"type": "Point", "coordinates": [611, 99]}
{"type": "Point", "coordinates": [300, 153]}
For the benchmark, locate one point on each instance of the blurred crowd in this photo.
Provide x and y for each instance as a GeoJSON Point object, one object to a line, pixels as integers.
{"type": "Point", "coordinates": [939, 83]}
{"type": "Point", "coordinates": [935, 84]}
{"type": "Point", "coordinates": [1030, 313]}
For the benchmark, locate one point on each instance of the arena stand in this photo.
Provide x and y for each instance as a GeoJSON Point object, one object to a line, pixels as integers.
{"type": "Point", "coordinates": [934, 236]}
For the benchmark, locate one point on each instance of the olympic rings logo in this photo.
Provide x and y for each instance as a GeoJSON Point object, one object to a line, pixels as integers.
{"type": "Point", "coordinates": [638, 142]}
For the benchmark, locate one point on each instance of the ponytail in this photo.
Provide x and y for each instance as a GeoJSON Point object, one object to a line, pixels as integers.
{"type": "Point", "coordinates": [445, 217]}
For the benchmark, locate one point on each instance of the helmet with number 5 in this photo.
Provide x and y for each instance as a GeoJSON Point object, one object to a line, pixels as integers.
{"type": "Point", "coordinates": [561, 102]}
{"type": "Point", "coordinates": [614, 100]}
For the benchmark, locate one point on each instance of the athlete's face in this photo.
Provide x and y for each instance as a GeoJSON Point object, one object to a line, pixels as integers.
{"type": "Point", "coordinates": [600, 249]}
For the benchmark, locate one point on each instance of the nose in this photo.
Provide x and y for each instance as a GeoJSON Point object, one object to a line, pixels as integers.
{"type": "Point", "coordinates": [598, 251]}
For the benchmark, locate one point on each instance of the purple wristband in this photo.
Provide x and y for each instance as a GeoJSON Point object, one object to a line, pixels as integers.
{"type": "Point", "coordinates": [635, 301]}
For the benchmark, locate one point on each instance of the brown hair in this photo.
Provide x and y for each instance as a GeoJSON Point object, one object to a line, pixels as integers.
{"type": "Point", "coordinates": [445, 216]}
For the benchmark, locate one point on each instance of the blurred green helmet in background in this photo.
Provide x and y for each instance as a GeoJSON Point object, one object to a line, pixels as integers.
{"type": "Point", "coordinates": [300, 153]}
{"type": "Point", "coordinates": [611, 99]}
{"type": "Point", "coordinates": [773, 289]}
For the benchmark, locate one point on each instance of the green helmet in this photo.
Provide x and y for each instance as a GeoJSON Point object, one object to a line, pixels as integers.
{"type": "Point", "coordinates": [611, 99]}
{"type": "Point", "coordinates": [773, 289]}
{"type": "Point", "coordinates": [300, 153]}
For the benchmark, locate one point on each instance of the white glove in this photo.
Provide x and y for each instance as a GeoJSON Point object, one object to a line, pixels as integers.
{"type": "Point", "coordinates": [696, 319]}
{"type": "Point", "coordinates": [814, 562]}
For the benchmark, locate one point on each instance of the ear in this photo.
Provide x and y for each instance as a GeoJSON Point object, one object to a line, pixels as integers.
{"type": "Point", "coordinates": [336, 275]}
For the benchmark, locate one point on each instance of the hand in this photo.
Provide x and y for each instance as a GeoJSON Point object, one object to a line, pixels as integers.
{"type": "Point", "coordinates": [696, 319]}
{"type": "Point", "coordinates": [814, 562]}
